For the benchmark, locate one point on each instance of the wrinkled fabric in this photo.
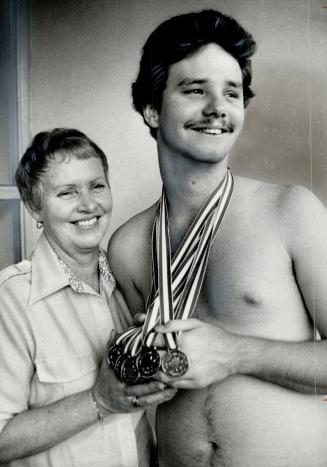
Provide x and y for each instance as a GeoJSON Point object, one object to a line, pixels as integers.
{"type": "Point", "coordinates": [52, 340]}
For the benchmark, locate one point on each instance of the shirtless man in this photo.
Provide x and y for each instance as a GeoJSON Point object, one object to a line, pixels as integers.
{"type": "Point", "coordinates": [253, 393]}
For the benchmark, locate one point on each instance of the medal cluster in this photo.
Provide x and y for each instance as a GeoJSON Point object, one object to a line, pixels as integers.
{"type": "Point", "coordinates": [175, 288]}
{"type": "Point", "coordinates": [132, 369]}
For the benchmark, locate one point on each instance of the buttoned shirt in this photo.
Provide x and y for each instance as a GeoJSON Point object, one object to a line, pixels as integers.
{"type": "Point", "coordinates": [53, 331]}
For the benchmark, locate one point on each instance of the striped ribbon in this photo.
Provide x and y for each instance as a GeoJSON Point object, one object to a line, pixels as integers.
{"type": "Point", "coordinates": [176, 283]}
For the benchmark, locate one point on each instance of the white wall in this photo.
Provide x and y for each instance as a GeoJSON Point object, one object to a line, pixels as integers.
{"type": "Point", "coordinates": [84, 55]}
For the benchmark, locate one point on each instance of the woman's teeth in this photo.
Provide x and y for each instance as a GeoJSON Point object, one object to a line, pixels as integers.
{"type": "Point", "coordinates": [87, 222]}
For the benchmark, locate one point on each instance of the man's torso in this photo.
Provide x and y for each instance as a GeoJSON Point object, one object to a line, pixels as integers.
{"type": "Point", "coordinates": [249, 289]}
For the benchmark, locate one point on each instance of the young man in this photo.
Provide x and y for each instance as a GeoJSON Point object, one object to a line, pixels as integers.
{"type": "Point", "coordinates": [253, 391]}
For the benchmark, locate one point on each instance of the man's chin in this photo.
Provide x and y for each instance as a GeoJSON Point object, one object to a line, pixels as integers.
{"type": "Point", "coordinates": [210, 157]}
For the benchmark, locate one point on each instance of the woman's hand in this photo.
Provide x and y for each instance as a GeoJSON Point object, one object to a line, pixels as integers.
{"type": "Point", "coordinates": [113, 396]}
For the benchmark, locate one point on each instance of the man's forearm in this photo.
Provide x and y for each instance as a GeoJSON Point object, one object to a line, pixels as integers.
{"type": "Point", "coordinates": [215, 354]}
{"type": "Point", "coordinates": [300, 366]}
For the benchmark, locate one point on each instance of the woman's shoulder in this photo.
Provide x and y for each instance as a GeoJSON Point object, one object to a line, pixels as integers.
{"type": "Point", "coordinates": [15, 289]}
{"type": "Point", "coordinates": [16, 275]}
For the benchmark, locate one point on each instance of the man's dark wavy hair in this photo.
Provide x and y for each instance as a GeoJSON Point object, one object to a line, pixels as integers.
{"type": "Point", "coordinates": [181, 36]}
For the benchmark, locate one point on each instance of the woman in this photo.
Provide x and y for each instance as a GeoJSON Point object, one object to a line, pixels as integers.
{"type": "Point", "coordinates": [60, 404]}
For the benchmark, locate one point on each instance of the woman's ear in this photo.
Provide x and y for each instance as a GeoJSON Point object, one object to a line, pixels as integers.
{"type": "Point", "coordinates": [151, 116]}
{"type": "Point", "coordinates": [36, 216]}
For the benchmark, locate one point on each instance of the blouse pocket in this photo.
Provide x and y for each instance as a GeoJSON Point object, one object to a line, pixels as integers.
{"type": "Point", "coordinates": [61, 377]}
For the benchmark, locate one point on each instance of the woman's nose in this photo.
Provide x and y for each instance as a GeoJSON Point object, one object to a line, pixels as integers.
{"type": "Point", "coordinates": [215, 106]}
{"type": "Point", "coordinates": [86, 202]}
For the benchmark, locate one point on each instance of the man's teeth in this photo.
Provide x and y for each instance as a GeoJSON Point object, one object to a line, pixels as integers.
{"type": "Point", "coordinates": [88, 222]}
{"type": "Point", "coordinates": [210, 131]}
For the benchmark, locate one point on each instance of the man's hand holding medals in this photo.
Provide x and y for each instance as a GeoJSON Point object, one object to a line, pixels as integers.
{"type": "Point", "coordinates": [213, 353]}
{"type": "Point", "coordinates": [175, 288]}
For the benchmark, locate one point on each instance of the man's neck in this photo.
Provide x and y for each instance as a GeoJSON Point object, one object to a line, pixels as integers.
{"type": "Point", "coordinates": [188, 183]}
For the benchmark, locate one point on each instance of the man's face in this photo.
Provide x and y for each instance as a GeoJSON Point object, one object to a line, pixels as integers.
{"type": "Point", "coordinates": [202, 109]}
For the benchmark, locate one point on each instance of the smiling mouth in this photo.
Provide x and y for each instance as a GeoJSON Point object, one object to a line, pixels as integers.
{"type": "Point", "coordinates": [210, 131]}
{"type": "Point", "coordinates": [87, 222]}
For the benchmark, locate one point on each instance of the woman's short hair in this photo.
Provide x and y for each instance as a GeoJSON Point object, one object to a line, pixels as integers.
{"type": "Point", "coordinates": [181, 36]}
{"type": "Point", "coordinates": [42, 150]}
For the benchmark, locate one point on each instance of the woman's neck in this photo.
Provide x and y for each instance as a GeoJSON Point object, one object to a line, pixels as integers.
{"type": "Point", "coordinates": [85, 264]}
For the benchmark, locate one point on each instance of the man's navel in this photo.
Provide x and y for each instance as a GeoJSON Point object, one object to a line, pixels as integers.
{"type": "Point", "coordinates": [252, 298]}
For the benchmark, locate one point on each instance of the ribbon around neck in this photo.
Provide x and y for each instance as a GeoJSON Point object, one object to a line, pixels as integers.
{"type": "Point", "coordinates": [176, 282]}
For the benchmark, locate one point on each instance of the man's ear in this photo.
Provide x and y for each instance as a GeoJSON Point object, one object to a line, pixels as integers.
{"type": "Point", "coordinates": [151, 116]}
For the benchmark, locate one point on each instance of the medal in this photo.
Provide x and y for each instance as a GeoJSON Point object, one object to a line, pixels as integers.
{"type": "Point", "coordinates": [129, 371]}
{"type": "Point", "coordinates": [148, 361]}
{"type": "Point", "coordinates": [113, 353]}
{"type": "Point", "coordinates": [175, 287]}
{"type": "Point", "coordinates": [174, 363]}
{"type": "Point", "coordinates": [121, 359]}
{"type": "Point", "coordinates": [119, 364]}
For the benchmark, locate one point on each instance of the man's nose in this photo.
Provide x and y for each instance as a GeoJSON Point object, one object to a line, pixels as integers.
{"type": "Point", "coordinates": [86, 202]}
{"type": "Point", "coordinates": [215, 106]}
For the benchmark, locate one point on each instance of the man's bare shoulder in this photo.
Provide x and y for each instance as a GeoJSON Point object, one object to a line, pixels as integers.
{"type": "Point", "coordinates": [295, 208]}
{"type": "Point", "coordinates": [294, 205]}
{"type": "Point", "coordinates": [135, 232]}
{"type": "Point", "coordinates": [303, 218]}
{"type": "Point", "coordinates": [130, 245]}
{"type": "Point", "coordinates": [284, 198]}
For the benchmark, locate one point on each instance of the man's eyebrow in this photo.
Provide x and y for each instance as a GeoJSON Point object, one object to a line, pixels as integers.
{"type": "Point", "coordinates": [234, 84]}
{"type": "Point", "coordinates": [190, 81]}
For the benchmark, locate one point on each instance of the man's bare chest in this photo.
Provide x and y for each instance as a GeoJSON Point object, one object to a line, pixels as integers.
{"type": "Point", "coordinates": [250, 287]}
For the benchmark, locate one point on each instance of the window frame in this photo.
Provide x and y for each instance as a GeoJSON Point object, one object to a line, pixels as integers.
{"type": "Point", "coordinates": [18, 37]}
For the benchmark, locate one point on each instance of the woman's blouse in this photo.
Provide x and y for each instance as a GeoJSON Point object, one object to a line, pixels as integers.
{"type": "Point", "coordinates": [53, 331]}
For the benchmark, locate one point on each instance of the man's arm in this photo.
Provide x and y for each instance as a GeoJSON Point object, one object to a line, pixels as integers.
{"type": "Point", "coordinates": [215, 354]}
{"type": "Point", "coordinates": [128, 257]}
{"type": "Point", "coordinates": [299, 366]}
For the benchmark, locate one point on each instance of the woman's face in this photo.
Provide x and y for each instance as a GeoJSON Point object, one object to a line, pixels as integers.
{"type": "Point", "coordinates": [76, 203]}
